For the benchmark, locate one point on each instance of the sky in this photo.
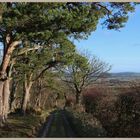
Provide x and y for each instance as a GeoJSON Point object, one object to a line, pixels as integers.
{"type": "Point", "coordinates": [121, 49]}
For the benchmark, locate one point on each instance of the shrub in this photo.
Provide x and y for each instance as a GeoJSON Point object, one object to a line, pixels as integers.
{"type": "Point", "coordinates": [85, 125]}
{"type": "Point", "coordinates": [70, 101]}
{"type": "Point", "coordinates": [128, 114]}
{"type": "Point", "coordinates": [91, 98]}
{"type": "Point", "coordinates": [31, 110]}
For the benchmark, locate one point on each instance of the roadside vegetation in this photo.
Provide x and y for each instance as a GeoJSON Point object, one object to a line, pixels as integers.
{"type": "Point", "coordinates": [118, 113]}
{"type": "Point", "coordinates": [19, 126]}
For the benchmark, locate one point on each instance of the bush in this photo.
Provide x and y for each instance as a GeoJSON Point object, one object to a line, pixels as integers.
{"type": "Point", "coordinates": [34, 111]}
{"type": "Point", "coordinates": [126, 103]}
{"type": "Point", "coordinates": [119, 113]}
{"type": "Point", "coordinates": [85, 125]}
{"type": "Point", "coordinates": [91, 98]}
{"type": "Point", "coordinates": [70, 100]}
{"type": "Point", "coordinates": [128, 114]}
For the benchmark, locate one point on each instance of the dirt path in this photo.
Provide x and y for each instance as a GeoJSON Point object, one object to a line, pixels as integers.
{"type": "Point", "coordinates": [57, 126]}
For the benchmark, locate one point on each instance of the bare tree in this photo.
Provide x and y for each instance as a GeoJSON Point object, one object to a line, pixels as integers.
{"type": "Point", "coordinates": [82, 72]}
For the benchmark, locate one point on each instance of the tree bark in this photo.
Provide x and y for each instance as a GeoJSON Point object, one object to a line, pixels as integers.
{"type": "Point", "coordinates": [7, 58]}
{"type": "Point", "coordinates": [4, 100]}
{"type": "Point", "coordinates": [77, 98]}
{"type": "Point", "coordinates": [13, 95]}
{"type": "Point", "coordinates": [6, 92]}
{"type": "Point", "coordinates": [1, 102]}
{"type": "Point", "coordinates": [26, 96]}
{"type": "Point", "coordinates": [4, 80]}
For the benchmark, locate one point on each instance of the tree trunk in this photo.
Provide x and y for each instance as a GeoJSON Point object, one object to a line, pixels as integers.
{"type": "Point", "coordinates": [13, 95]}
{"type": "Point", "coordinates": [4, 100]}
{"type": "Point", "coordinates": [1, 102]}
{"type": "Point", "coordinates": [6, 95]}
{"type": "Point", "coordinates": [77, 96]}
{"type": "Point", "coordinates": [4, 79]}
{"type": "Point", "coordinates": [26, 97]}
{"type": "Point", "coordinates": [65, 103]}
{"type": "Point", "coordinates": [7, 58]}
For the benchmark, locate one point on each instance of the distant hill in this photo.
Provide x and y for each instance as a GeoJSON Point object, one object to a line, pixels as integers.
{"type": "Point", "coordinates": [124, 74]}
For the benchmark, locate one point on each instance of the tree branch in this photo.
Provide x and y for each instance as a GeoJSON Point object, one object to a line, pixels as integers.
{"type": "Point", "coordinates": [25, 50]}
{"type": "Point", "coordinates": [50, 64]}
{"type": "Point", "coordinates": [104, 7]}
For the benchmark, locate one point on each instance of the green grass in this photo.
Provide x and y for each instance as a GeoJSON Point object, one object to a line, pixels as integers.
{"type": "Point", "coordinates": [22, 126]}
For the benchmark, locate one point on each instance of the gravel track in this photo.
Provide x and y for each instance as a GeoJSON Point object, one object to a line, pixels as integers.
{"type": "Point", "coordinates": [57, 125]}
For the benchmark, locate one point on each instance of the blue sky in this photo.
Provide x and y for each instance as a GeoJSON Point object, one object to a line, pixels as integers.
{"type": "Point", "coordinates": [119, 49]}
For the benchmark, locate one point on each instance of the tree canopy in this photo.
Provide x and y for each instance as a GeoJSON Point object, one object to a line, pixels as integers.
{"type": "Point", "coordinates": [39, 22]}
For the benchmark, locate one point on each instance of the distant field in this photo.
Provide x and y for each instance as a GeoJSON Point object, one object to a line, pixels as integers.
{"type": "Point", "coordinates": [119, 80]}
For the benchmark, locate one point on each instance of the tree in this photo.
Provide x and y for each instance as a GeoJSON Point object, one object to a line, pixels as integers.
{"type": "Point", "coordinates": [41, 23]}
{"type": "Point", "coordinates": [82, 72]}
{"type": "Point", "coordinates": [33, 65]}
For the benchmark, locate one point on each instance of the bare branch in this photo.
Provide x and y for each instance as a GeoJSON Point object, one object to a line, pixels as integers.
{"type": "Point", "coordinates": [104, 7]}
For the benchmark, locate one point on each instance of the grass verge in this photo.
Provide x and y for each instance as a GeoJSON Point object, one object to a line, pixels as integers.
{"type": "Point", "coordinates": [23, 126]}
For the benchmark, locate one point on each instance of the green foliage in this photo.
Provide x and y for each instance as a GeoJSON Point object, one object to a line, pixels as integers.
{"type": "Point", "coordinates": [42, 22]}
{"type": "Point", "coordinates": [33, 62]}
